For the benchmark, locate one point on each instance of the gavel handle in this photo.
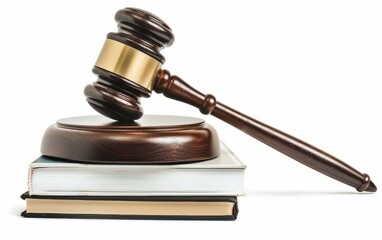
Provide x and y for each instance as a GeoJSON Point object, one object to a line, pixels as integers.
{"type": "Point", "coordinates": [175, 88]}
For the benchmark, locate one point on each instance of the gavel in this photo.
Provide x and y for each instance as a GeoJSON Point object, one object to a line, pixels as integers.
{"type": "Point", "coordinates": [129, 67]}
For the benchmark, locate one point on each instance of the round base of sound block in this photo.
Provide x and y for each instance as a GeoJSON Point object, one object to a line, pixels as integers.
{"type": "Point", "coordinates": [153, 139]}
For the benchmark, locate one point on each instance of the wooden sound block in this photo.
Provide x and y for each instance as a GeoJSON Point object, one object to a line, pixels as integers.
{"type": "Point", "coordinates": [153, 139]}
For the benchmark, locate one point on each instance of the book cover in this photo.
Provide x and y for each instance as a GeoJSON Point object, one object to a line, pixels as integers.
{"type": "Point", "coordinates": [132, 207]}
{"type": "Point", "coordinates": [223, 175]}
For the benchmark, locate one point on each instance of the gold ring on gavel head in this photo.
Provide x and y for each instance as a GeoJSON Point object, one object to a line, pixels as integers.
{"type": "Point", "coordinates": [129, 63]}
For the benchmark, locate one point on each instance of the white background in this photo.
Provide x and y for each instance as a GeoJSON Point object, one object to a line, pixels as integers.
{"type": "Point", "coordinates": [309, 68]}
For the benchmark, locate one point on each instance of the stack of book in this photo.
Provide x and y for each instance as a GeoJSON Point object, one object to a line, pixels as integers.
{"type": "Point", "coordinates": [205, 190]}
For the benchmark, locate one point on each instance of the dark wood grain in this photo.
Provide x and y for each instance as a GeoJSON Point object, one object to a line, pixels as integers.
{"type": "Point", "coordinates": [113, 95]}
{"type": "Point", "coordinates": [151, 140]}
{"type": "Point", "coordinates": [143, 31]}
{"type": "Point", "coordinates": [147, 33]}
{"type": "Point", "coordinates": [175, 88]}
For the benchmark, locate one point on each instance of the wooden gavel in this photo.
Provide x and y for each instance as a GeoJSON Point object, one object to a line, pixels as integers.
{"type": "Point", "coordinates": [129, 67]}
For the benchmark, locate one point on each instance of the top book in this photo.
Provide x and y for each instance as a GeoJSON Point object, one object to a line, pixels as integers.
{"type": "Point", "coordinates": [221, 176]}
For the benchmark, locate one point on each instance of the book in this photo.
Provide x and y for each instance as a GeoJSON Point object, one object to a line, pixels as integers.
{"type": "Point", "coordinates": [221, 176]}
{"type": "Point", "coordinates": [132, 207]}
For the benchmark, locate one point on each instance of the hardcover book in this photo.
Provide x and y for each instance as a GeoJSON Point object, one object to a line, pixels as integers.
{"type": "Point", "coordinates": [221, 176]}
{"type": "Point", "coordinates": [132, 207]}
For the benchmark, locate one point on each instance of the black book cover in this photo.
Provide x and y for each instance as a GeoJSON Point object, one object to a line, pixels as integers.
{"type": "Point", "coordinates": [228, 199]}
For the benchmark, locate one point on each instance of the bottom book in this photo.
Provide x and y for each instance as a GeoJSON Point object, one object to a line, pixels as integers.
{"type": "Point", "coordinates": [132, 207]}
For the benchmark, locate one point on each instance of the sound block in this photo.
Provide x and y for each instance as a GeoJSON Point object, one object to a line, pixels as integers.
{"type": "Point", "coordinates": [153, 139]}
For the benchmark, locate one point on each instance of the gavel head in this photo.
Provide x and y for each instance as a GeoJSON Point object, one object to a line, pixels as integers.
{"type": "Point", "coordinates": [128, 64]}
